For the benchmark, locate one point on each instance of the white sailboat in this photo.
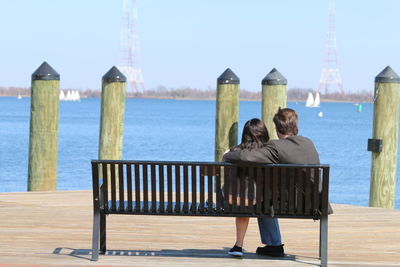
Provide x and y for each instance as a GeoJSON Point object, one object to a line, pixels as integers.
{"type": "Point", "coordinates": [19, 96]}
{"type": "Point", "coordinates": [62, 95]}
{"type": "Point", "coordinates": [311, 103]}
{"type": "Point", "coordinates": [316, 101]}
{"type": "Point", "coordinates": [310, 100]}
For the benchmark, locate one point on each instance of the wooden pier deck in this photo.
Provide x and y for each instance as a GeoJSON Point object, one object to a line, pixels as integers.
{"type": "Point", "coordinates": [54, 228]}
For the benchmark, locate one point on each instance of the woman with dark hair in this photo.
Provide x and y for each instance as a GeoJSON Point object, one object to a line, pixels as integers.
{"type": "Point", "coordinates": [255, 135]}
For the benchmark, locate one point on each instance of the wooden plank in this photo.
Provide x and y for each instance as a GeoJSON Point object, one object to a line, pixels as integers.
{"type": "Point", "coordinates": [38, 223]}
{"type": "Point", "coordinates": [251, 183]}
{"type": "Point", "coordinates": [316, 189]}
{"type": "Point", "coordinates": [275, 189]}
{"type": "Point", "coordinates": [234, 182]}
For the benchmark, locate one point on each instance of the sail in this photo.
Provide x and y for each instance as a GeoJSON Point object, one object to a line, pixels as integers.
{"type": "Point", "coordinates": [62, 95]}
{"type": "Point", "coordinates": [316, 101]}
{"type": "Point", "coordinates": [310, 100]}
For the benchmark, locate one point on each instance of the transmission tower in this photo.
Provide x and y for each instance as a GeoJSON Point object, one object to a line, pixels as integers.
{"type": "Point", "coordinates": [129, 47]}
{"type": "Point", "coordinates": [330, 73]}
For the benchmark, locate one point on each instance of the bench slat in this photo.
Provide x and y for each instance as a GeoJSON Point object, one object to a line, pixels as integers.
{"type": "Point", "coordinates": [259, 190]}
{"type": "Point", "coordinates": [178, 188]}
{"type": "Point", "coordinates": [291, 193]}
{"type": "Point", "coordinates": [153, 206]}
{"type": "Point", "coordinates": [113, 188]}
{"type": "Point", "coordinates": [315, 206]}
{"type": "Point", "coordinates": [218, 189]}
{"type": "Point", "coordinates": [169, 188]}
{"type": "Point", "coordinates": [210, 183]}
{"type": "Point", "coordinates": [267, 190]}
{"type": "Point", "coordinates": [307, 190]}
{"type": "Point", "coordinates": [233, 184]}
{"type": "Point", "coordinates": [242, 189]}
{"type": "Point", "coordinates": [275, 190]}
{"type": "Point", "coordinates": [105, 185]}
{"type": "Point", "coordinates": [194, 188]}
{"type": "Point", "coordinates": [250, 185]}
{"type": "Point", "coordinates": [121, 190]}
{"type": "Point", "coordinates": [283, 189]}
{"type": "Point", "coordinates": [161, 177]}
{"type": "Point", "coordinates": [145, 207]}
{"type": "Point", "coordinates": [299, 191]}
{"type": "Point", "coordinates": [185, 188]}
{"type": "Point", "coordinates": [137, 187]}
{"type": "Point", "coordinates": [202, 185]}
{"type": "Point", "coordinates": [129, 186]}
{"type": "Point", "coordinates": [226, 186]}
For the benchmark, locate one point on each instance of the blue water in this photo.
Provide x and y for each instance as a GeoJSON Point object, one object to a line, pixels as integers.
{"type": "Point", "coordinates": [184, 130]}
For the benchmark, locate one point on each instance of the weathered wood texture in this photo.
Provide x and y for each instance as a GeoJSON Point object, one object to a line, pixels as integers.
{"type": "Point", "coordinates": [43, 135]}
{"type": "Point", "coordinates": [227, 117]}
{"type": "Point", "coordinates": [112, 120]}
{"type": "Point", "coordinates": [273, 97]}
{"type": "Point", "coordinates": [54, 228]}
{"type": "Point", "coordinates": [385, 127]}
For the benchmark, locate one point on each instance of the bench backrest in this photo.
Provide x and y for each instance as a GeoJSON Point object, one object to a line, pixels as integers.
{"type": "Point", "coordinates": [209, 188]}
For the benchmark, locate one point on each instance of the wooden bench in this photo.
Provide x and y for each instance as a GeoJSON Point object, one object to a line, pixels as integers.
{"type": "Point", "coordinates": [198, 189]}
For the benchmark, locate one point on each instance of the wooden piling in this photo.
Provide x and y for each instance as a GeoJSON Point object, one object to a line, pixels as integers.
{"type": "Point", "coordinates": [43, 133]}
{"type": "Point", "coordinates": [112, 115]}
{"type": "Point", "coordinates": [385, 128]}
{"type": "Point", "coordinates": [274, 95]}
{"type": "Point", "coordinates": [227, 113]}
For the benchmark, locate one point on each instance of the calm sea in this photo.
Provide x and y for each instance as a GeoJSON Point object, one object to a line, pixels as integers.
{"type": "Point", "coordinates": [158, 129]}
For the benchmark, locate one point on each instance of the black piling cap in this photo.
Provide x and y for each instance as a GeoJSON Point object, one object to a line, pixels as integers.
{"type": "Point", "coordinates": [114, 75]}
{"type": "Point", "coordinates": [274, 77]}
{"type": "Point", "coordinates": [228, 77]}
{"type": "Point", "coordinates": [387, 76]}
{"type": "Point", "coordinates": [45, 72]}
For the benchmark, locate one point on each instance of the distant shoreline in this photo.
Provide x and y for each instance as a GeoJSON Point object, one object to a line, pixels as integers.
{"type": "Point", "coordinates": [212, 99]}
{"type": "Point", "coordinates": [187, 93]}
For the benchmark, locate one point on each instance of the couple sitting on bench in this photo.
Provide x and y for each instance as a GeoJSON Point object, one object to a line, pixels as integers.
{"type": "Point", "coordinates": [256, 147]}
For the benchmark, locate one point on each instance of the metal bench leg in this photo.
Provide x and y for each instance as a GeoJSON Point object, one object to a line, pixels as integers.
{"type": "Point", "coordinates": [95, 236]}
{"type": "Point", "coordinates": [103, 248]}
{"type": "Point", "coordinates": [323, 241]}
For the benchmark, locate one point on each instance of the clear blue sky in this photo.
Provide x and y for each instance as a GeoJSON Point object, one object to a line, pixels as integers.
{"type": "Point", "coordinates": [190, 43]}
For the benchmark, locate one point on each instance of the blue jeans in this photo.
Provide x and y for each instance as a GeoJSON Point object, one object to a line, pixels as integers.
{"type": "Point", "coordinates": [269, 231]}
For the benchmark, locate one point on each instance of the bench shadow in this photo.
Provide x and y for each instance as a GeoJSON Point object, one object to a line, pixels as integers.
{"type": "Point", "coordinates": [192, 253]}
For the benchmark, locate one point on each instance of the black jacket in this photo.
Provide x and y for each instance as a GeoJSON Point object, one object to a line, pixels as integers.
{"type": "Point", "coordinates": [291, 150]}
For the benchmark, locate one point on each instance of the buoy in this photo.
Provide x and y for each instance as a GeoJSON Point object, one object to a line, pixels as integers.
{"type": "Point", "coordinates": [320, 114]}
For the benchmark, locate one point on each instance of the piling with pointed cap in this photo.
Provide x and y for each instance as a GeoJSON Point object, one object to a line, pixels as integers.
{"type": "Point", "coordinates": [385, 128]}
{"type": "Point", "coordinates": [112, 115]}
{"type": "Point", "coordinates": [274, 94]}
{"type": "Point", "coordinates": [43, 133]}
{"type": "Point", "coordinates": [227, 113]}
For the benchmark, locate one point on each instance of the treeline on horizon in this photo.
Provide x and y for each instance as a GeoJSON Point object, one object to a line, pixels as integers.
{"type": "Point", "coordinates": [294, 94]}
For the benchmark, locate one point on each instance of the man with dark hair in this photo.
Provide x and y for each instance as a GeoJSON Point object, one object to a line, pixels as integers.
{"type": "Point", "coordinates": [290, 149]}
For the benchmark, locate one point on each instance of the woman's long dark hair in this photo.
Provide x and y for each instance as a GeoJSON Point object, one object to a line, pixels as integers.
{"type": "Point", "coordinates": [255, 135]}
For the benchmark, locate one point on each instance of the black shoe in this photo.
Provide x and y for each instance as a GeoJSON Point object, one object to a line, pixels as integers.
{"type": "Point", "coordinates": [236, 251]}
{"type": "Point", "coordinates": [272, 251]}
